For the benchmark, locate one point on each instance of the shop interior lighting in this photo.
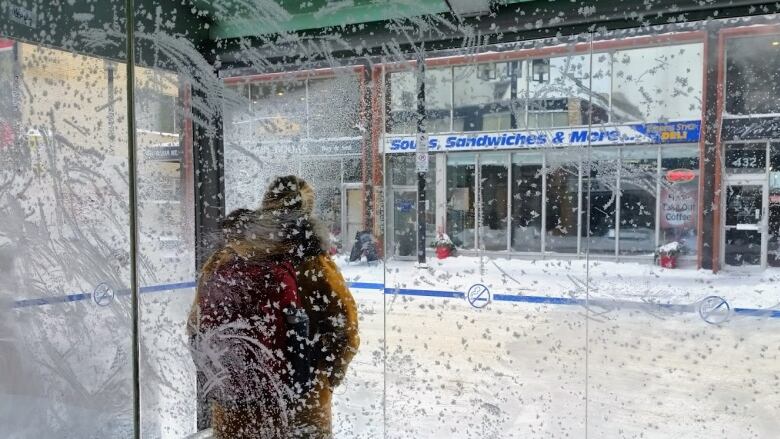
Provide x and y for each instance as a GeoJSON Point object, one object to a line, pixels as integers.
{"type": "Point", "coordinates": [776, 43]}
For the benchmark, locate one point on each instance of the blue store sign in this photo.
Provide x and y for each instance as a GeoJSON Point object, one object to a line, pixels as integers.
{"type": "Point", "coordinates": [601, 135]}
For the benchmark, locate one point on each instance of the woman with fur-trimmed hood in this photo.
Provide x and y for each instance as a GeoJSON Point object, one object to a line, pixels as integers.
{"type": "Point", "coordinates": [237, 337]}
{"type": "Point", "coordinates": [328, 303]}
{"type": "Point", "coordinates": [278, 246]}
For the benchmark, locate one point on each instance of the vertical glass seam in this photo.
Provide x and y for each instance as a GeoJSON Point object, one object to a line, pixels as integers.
{"type": "Point", "coordinates": [618, 201]}
{"type": "Point", "coordinates": [543, 227]}
{"type": "Point", "coordinates": [131, 144]}
{"type": "Point", "coordinates": [658, 177]}
{"type": "Point", "coordinates": [509, 186]}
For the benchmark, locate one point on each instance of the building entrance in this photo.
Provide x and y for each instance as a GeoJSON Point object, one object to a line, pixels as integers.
{"type": "Point", "coordinates": [745, 225]}
{"type": "Point", "coordinates": [750, 224]}
{"type": "Point", "coordinates": [403, 228]}
{"type": "Point", "coordinates": [352, 216]}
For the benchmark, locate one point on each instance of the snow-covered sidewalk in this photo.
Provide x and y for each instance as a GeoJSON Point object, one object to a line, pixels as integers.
{"type": "Point", "coordinates": [576, 279]}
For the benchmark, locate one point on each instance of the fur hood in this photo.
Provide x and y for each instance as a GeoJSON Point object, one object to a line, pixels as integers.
{"type": "Point", "coordinates": [283, 228]}
{"type": "Point", "coordinates": [271, 236]}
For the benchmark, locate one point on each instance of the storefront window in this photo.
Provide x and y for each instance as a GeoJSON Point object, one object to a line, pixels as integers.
{"type": "Point", "coordinates": [753, 75]}
{"type": "Point", "coordinates": [352, 170]}
{"type": "Point", "coordinates": [278, 109]}
{"type": "Point", "coordinates": [430, 202]}
{"type": "Point", "coordinates": [486, 96]}
{"type": "Point", "coordinates": [679, 196]}
{"type": "Point", "coordinates": [601, 195]}
{"type": "Point", "coordinates": [403, 101]}
{"type": "Point", "coordinates": [156, 108]}
{"type": "Point", "coordinates": [402, 204]}
{"type": "Point", "coordinates": [638, 189]}
{"type": "Point", "coordinates": [340, 93]}
{"type": "Point", "coordinates": [559, 91]}
{"type": "Point", "coordinates": [563, 202]}
{"type": "Point", "coordinates": [526, 202]}
{"type": "Point", "coordinates": [461, 181]}
{"type": "Point", "coordinates": [401, 170]}
{"type": "Point", "coordinates": [325, 177]}
{"type": "Point", "coordinates": [657, 83]}
{"type": "Point", "coordinates": [494, 187]}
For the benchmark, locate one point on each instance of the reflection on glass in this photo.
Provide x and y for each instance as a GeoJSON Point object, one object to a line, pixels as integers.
{"type": "Point", "coordinates": [341, 92]}
{"type": "Point", "coordinates": [752, 75]}
{"type": "Point", "coordinates": [486, 96]}
{"type": "Point", "coordinates": [638, 188]}
{"type": "Point", "coordinates": [601, 184]}
{"type": "Point", "coordinates": [679, 196]}
{"type": "Point", "coordinates": [278, 109]}
{"type": "Point", "coordinates": [461, 183]}
{"type": "Point", "coordinates": [403, 101]}
{"type": "Point", "coordinates": [527, 202]}
{"type": "Point", "coordinates": [563, 202]}
{"type": "Point", "coordinates": [657, 83]}
{"type": "Point", "coordinates": [559, 92]}
{"type": "Point", "coordinates": [494, 187]}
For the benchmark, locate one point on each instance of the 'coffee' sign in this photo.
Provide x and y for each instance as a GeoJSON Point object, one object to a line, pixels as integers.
{"type": "Point", "coordinates": [678, 206]}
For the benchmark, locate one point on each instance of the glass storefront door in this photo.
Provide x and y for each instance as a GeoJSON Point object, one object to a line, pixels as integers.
{"type": "Point", "coordinates": [744, 233]}
{"type": "Point", "coordinates": [494, 188]}
{"type": "Point", "coordinates": [404, 234]}
{"type": "Point", "coordinates": [461, 187]}
{"type": "Point", "coordinates": [527, 202]}
{"type": "Point", "coordinates": [352, 219]}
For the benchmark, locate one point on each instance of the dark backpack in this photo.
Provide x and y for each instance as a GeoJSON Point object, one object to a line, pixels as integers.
{"type": "Point", "coordinates": [252, 343]}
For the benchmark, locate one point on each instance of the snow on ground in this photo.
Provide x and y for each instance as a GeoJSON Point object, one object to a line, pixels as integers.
{"type": "Point", "coordinates": [436, 367]}
{"type": "Point", "coordinates": [630, 281]}
{"type": "Point", "coordinates": [518, 369]}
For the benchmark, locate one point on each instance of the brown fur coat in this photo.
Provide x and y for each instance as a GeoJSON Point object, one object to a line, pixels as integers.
{"type": "Point", "coordinates": [333, 321]}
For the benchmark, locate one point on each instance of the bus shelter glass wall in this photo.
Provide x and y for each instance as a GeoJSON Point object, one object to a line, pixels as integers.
{"type": "Point", "coordinates": [65, 339]}
{"type": "Point", "coordinates": [661, 337]}
{"type": "Point", "coordinates": [286, 126]}
{"type": "Point", "coordinates": [166, 253]}
{"type": "Point", "coordinates": [469, 353]}
{"type": "Point", "coordinates": [555, 178]}
{"type": "Point", "coordinates": [315, 126]}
